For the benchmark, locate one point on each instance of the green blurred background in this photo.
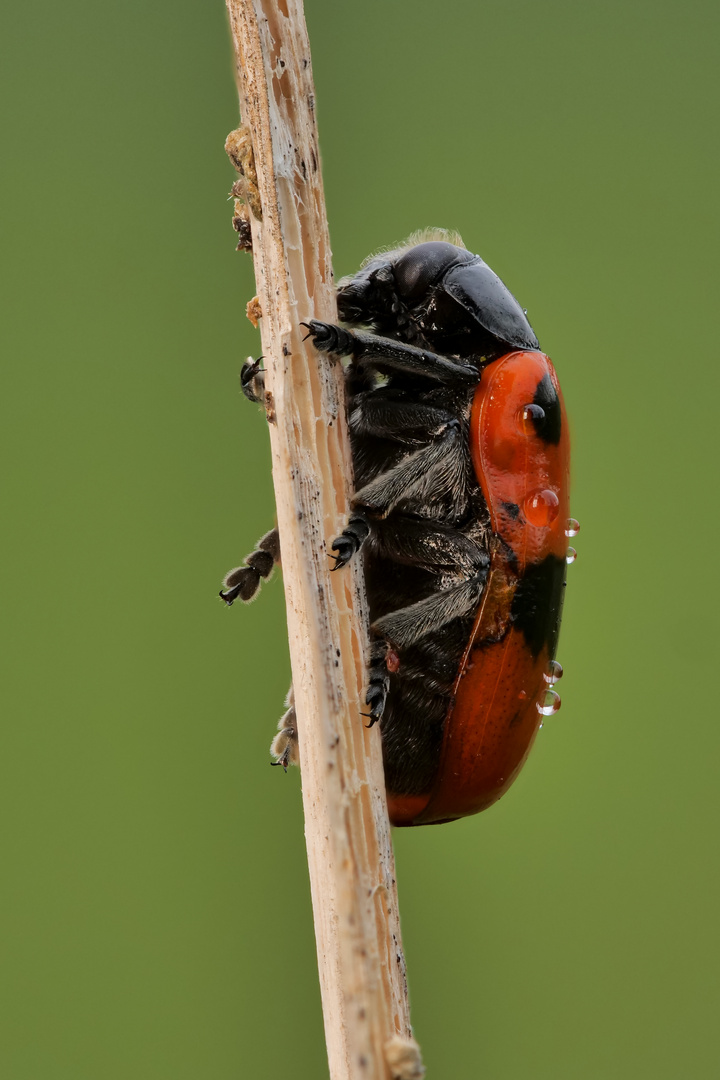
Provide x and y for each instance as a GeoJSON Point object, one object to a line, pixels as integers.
{"type": "Point", "coordinates": [156, 916]}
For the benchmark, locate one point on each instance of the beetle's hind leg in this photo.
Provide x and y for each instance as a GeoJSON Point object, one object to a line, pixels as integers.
{"type": "Point", "coordinates": [434, 548]}
{"type": "Point", "coordinates": [405, 627]}
{"type": "Point", "coordinates": [243, 582]}
{"type": "Point", "coordinates": [378, 679]}
{"type": "Point", "coordinates": [409, 624]}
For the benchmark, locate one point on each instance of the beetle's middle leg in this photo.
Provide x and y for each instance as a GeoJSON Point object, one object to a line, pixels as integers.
{"type": "Point", "coordinates": [438, 468]}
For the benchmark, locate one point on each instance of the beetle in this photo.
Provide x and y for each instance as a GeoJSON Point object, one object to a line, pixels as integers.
{"type": "Point", "coordinates": [460, 450]}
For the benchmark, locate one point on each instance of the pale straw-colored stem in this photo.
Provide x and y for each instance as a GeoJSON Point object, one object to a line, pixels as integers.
{"type": "Point", "coordinates": [352, 875]}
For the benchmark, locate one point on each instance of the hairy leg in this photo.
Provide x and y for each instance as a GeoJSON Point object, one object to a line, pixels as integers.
{"type": "Point", "coordinates": [436, 468]}
{"type": "Point", "coordinates": [243, 582]}
{"type": "Point", "coordinates": [387, 415]}
{"type": "Point", "coordinates": [284, 746]}
{"type": "Point", "coordinates": [433, 469]}
{"type": "Point", "coordinates": [406, 626]}
{"type": "Point", "coordinates": [429, 545]}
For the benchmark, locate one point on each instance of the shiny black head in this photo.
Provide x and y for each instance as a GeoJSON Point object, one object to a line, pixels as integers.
{"type": "Point", "coordinates": [436, 293]}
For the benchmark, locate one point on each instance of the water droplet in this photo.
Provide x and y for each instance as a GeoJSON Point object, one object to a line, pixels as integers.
{"type": "Point", "coordinates": [572, 527]}
{"type": "Point", "coordinates": [528, 416]}
{"type": "Point", "coordinates": [541, 726]}
{"type": "Point", "coordinates": [541, 508]}
{"type": "Point", "coordinates": [522, 696]}
{"type": "Point", "coordinates": [549, 703]}
{"type": "Point", "coordinates": [554, 672]}
{"type": "Point", "coordinates": [571, 555]}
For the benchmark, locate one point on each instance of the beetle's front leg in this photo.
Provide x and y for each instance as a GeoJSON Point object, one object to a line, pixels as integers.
{"type": "Point", "coordinates": [388, 354]}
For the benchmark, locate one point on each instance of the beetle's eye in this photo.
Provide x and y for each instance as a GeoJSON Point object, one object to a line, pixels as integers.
{"type": "Point", "coordinates": [422, 265]}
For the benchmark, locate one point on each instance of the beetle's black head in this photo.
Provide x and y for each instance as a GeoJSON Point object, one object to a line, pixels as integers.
{"type": "Point", "coordinates": [389, 287]}
{"type": "Point", "coordinates": [438, 294]}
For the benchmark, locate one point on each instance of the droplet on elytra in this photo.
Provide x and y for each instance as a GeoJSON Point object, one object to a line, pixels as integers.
{"type": "Point", "coordinates": [541, 507]}
{"type": "Point", "coordinates": [528, 417]}
{"type": "Point", "coordinates": [571, 555]}
{"type": "Point", "coordinates": [549, 703]}
{"type": "Point", "coordinates": [554, 672]}
{"type": "Point", "coordinates": [572, 527]}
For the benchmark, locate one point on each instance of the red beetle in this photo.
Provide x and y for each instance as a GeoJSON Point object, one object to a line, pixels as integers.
{"type": "Point", "coordinates": [461, 454]}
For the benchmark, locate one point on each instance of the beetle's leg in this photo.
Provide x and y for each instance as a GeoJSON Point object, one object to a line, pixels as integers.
{"type": "Point", "coordinates": [388, 354]}
{"type": "Point", "coordinates": [252, 380]}
{"type": "Point", "coordinates": [378, 679]}
{"type": "Point", "coordinates": [409, 624]}
{"type": "Point", "coordinates": [243, 582]}
{"type": "Point", "coordinates": [439, 467]}
{"type": "Point", "coordinates": [284, 746]}
{"type": "Point", "coordinates": [350, 540]}
{"type": "Point", "coordinates": [404, 539]}
{"type": "Point", "coordinates": [430, 545]}
{"type": "Point", "coordinates": [404, 421]}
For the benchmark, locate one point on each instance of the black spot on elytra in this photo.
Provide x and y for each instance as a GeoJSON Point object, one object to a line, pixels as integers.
{"type": "Point", "coordinates": [546, 397]}
{"type": "Point", "coordinates": [511, 509]}
{"type": "Point", "coordinates": [537, 604]}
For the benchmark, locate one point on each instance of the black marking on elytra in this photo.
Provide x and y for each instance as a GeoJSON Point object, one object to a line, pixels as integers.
{"type": "Point", "coordinates": [546, 396]}
{"type": "Point", "coordinates": [537, 603]}
{"type": "Point", "coordinates": [511, 509]}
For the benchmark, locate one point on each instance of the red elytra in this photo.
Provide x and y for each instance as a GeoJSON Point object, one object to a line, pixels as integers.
{"type": "Point", "coordinates": [524, 477]}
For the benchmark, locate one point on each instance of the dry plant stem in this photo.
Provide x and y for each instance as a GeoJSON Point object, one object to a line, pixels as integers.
{"type": "Point", "coordinates": [362, 968]}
